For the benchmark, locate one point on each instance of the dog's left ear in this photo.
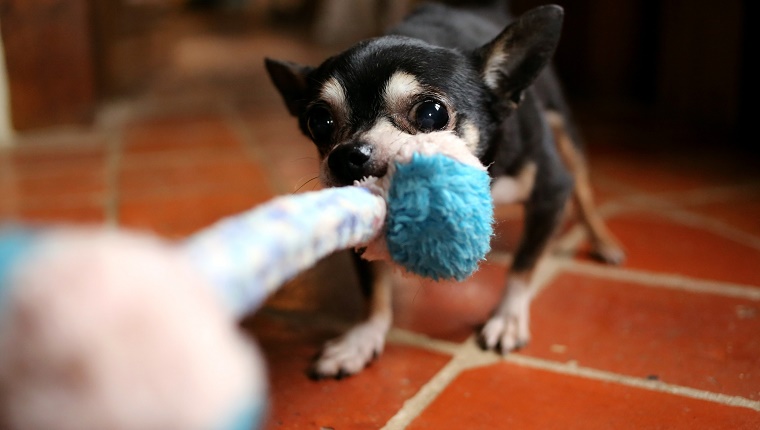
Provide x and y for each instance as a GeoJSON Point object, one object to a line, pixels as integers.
{"type": "Point", "coordinates": [290, 80]}
{"type": "Point", "coordinates": [514, 59]}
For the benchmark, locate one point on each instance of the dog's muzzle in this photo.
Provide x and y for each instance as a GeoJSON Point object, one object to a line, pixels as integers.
{"type": "Point", "coordinates": [354, 161]}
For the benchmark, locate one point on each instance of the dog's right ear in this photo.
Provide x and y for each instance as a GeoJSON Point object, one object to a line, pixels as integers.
{"type": "Point", "coordinates": [513, 60]}
{"type": "Point", "coordinates": [290, 80]}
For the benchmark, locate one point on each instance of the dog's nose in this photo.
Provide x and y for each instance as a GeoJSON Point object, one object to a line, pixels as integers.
{"type": "Point", "coordinates": [351, 162]}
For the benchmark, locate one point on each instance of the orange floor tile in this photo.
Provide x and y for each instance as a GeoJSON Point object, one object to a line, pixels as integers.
{"type": "Point", "coordinates": [508, 396]}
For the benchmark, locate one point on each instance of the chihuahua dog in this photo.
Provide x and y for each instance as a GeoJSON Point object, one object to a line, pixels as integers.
{"type": "Point", "coordinates": [467, 71]}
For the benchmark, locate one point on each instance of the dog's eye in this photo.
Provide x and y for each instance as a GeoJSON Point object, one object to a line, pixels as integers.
{"type": "Point", "coordinates": [430, 115]}
{"type": "Point", "coordinates": [320, 124]}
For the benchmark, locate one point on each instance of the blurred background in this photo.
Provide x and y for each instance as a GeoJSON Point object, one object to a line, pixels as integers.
{"type": "Point", "coordinates": [64, 59]}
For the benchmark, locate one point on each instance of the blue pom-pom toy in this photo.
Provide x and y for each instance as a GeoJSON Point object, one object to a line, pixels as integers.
{"type": "Point", "coordinates": [440, 217]}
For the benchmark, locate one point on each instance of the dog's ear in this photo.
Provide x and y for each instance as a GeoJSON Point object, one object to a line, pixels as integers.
{"type": "Point", "coordinates": [290, 80]}
{"type": "Point", "coordinates": [513, 60]}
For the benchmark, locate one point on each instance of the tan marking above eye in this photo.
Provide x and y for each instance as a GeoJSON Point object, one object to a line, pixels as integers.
{"type": "Point", "coordinates": [402, 95]}
{"type": "Point", "coordinates": [334, 95]}
{"type": "Point", "coordinates": [400, 90]}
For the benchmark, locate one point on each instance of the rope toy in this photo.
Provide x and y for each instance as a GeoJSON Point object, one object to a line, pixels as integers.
{"type": "Point", "coordinates": [104, 328]}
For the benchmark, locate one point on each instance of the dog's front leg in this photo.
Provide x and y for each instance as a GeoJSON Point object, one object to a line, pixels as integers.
{"type": "Point", "coordinates": [351, 352]}
{"type": "Point", "coordinates": [508, 327]}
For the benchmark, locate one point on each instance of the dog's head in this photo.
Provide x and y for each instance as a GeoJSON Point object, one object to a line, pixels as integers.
{"type": "Point", "coordinates": [359, 106]}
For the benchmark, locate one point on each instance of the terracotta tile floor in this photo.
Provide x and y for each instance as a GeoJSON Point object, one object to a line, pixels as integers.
{"type": "Point", "coordinates": [669, 340]}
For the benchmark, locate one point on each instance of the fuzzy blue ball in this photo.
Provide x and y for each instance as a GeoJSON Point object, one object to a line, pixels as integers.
{"type": "Point", "coordinates": [440, 217]}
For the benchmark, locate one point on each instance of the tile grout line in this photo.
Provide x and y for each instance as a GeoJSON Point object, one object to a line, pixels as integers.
{"type": "Point", "coordinates": [470, 356]}
{"type": "Point", "coordinates": [571, 240]}
{"type": "Point", "coordinates": [676, 206]}
{"type": "Point", "coordinates": [614, 185]}
{"type": "Point", "coordinates": [689, 197]}
{"type": "Point", "coordinates": [466, 356]}
{"type": "Point", "coordinates": [408, 337]}
{"type": "Point", "coordinates": [681, 213]}
{"type": "Point", "coordinates": [663, 280]}
{"type": "Point", "coordinates": [700, 196]}
{"type": "Point", "coordinates": [646, 278]}
{"type": "Point", "coordinates": [714, 226]}
{"type": "Point", "coordinates": [631, 381]}
{"type": "Point", "coordinates": [686, 216]}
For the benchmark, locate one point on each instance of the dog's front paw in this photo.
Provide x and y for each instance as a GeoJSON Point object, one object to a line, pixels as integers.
{"type": "Point", "coordinates": [508, 330]}
{"type": "Point", "coordinates": [350, 353]}
{"type": "Point", "coordinates": [505, 333]}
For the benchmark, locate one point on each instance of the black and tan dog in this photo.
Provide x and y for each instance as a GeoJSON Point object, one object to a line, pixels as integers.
{"type": "Point", "coordinates": [464, 71]}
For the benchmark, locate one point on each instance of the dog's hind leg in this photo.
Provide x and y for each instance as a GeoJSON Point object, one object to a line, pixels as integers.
{"type": "Point", "coordinates": [351, 352]}
{"type": "Point", "coordinates": [604, 246]}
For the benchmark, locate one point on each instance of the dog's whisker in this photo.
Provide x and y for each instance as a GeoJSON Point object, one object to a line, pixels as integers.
{"type": "Point", "coordinates": [306, 183]}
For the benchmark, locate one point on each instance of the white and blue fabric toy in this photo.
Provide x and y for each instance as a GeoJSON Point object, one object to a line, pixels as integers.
{"type": "Point", "coordinates": [102, 328]}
